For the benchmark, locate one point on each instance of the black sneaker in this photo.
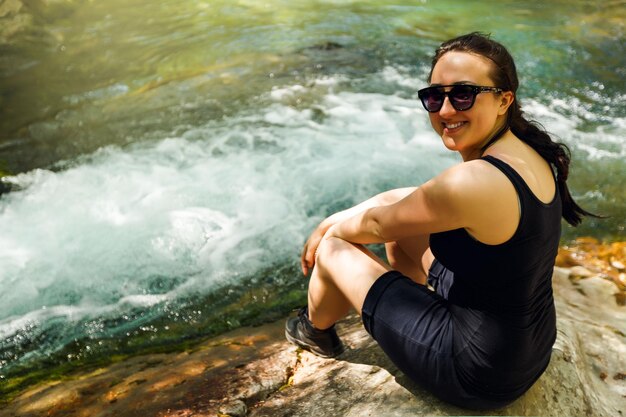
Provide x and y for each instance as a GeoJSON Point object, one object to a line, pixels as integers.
{"type": "Point", "coordinates": [300, 331]}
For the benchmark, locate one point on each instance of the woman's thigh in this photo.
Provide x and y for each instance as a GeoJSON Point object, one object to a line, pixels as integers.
{"type": "Point", "coordinates": [351, 268]}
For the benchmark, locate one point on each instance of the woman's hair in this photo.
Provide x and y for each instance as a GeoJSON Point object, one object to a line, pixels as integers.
{"type": "Point", "coordinates": [504, 75]}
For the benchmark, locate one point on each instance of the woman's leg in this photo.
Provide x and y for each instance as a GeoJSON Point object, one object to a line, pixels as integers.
{"type": "Point", "coordinates": [411, 256]}
{"type": "Point", "coordinates": [341, 278]}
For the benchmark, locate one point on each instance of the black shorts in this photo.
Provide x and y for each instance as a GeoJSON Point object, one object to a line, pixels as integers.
{"type": "Point", "coordinates": [415, 328]}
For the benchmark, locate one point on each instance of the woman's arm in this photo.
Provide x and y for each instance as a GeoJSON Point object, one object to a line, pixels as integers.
{"type": "Point", "coordinates": [468, 196]}
{"type": "Point", "coordinates": [416, 214]}
{"type": "Point", "coordinates": [383, 199]}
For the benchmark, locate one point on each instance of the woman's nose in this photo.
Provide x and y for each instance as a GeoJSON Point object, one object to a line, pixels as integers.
{"type": "Point", "coordinates": [446, 108]}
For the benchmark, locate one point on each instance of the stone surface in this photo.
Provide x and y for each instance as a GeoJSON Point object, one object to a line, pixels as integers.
{"type": "Point", "coordinates": [235, 408]}
{"type": "Point", "coordinates": [254, 372]}
{"type": "Point", "coordinates": [246, 364]}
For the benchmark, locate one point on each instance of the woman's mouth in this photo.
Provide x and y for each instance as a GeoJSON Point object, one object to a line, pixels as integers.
{"type": "Point", "coordinates": [452, 127]}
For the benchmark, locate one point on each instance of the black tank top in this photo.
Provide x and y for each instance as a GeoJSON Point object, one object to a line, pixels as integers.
{"type": "Point", "coordinates": [501, 298]}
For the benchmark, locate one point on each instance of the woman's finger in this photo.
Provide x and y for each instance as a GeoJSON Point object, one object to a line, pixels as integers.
{"type": "Point", "coordinates": [303, 262]}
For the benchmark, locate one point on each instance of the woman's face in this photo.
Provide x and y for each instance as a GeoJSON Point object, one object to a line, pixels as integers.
{"type": "Point", "coordinates": [469, 130]}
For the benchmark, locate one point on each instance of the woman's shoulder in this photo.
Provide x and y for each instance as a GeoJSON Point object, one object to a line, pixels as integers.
{"type": "Point", "coordinates": [534, 171]}
{"type": "Point", "coordinates": [468, 178]}
{"type": "Point", "coordinates": [470, 186]}
{"type": "Point", "coordinates": [481, 196]}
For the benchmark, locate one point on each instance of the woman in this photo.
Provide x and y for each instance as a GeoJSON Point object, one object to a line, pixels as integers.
{"type": "Point", "coordinates": [483, 234]}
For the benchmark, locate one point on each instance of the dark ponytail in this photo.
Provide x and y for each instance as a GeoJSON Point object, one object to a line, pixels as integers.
{"type": "Point", "coordinates": [557, 154]}
{"type": "Point", "coordinates": [504, 75]}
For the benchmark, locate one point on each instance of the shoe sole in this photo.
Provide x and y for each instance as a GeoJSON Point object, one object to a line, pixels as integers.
{"type": "Point", "coordinates": [312, 348]}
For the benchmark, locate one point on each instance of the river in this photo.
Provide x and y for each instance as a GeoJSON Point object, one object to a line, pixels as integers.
{"type": "Point", "coordinates": [163, 162]}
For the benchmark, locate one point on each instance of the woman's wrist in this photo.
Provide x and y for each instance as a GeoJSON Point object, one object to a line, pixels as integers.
{"type": "Point", "coordinates": [332, 231]}
{"type": "Point", "coordinates": [326, 224]}
{"type": "Point", "coordinates": [334, 219]}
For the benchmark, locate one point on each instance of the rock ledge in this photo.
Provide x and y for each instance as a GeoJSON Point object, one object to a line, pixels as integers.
{"type": "Point", "coordinates": [255, 372]}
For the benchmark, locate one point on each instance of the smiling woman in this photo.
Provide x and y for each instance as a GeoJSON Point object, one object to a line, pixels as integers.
{"type": "Point", "coordinates": [483, 234]}
{"type": "Point", "coordinates": [461, 126]}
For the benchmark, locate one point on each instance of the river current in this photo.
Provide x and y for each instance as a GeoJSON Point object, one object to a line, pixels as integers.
{"type": "Point", "coordinates": [163, 162]}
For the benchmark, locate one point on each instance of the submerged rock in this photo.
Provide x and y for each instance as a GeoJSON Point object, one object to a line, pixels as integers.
{"type": "Point", "coordinates": [255, 372]}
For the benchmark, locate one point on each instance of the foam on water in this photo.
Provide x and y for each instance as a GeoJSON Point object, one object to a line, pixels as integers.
{"type": "Point", "coordinates": [130, 228]}
{"type": "Point", "coordinates": [604, 141]}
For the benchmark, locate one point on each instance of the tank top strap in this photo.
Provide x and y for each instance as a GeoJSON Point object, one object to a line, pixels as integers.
{"type": "Point", "coordinates": [518, 182]}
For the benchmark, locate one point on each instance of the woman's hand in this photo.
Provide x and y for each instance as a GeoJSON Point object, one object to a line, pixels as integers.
{"type": "Point", "coordinates": [307, 260]}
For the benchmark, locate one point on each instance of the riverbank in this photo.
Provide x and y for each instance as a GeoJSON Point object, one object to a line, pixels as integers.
{"type": "Point", "coordinates": [255, 372]}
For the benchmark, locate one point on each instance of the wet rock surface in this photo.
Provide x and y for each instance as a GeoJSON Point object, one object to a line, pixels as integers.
{"type": "Point", "coordinates": [254, 372]}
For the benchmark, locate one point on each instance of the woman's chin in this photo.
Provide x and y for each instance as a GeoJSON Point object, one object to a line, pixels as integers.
{"type": "Point", "coordinates": [450, 143]}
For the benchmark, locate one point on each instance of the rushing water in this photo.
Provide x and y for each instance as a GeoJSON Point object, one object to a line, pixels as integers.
{"type": "Point", "coordinates": [165, 161]}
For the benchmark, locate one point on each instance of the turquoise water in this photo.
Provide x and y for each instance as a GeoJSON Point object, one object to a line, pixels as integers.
{"type": "Point", "coordinates": [165, 161]}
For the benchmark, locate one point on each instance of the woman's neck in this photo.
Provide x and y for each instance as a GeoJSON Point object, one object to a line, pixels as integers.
{"type": "Point", "coordinates": [479, 152]}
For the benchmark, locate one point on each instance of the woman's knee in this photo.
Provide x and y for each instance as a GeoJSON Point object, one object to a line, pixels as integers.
{"type": "Point", "coordinates": [327, 251]}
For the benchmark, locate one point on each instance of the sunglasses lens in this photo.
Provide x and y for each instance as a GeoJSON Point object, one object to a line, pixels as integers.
{"type": "Point", "coordinates": [432, 98]}
{"type": "Point", "coordinates": [462, 97]}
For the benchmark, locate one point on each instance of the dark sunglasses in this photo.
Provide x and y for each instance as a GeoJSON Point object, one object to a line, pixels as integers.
{"type": "Point", "coordinates": [461, 96]}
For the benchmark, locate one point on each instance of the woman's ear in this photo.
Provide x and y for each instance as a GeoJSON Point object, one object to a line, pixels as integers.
{"type": "Point", "coordinates": [506, 99]}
